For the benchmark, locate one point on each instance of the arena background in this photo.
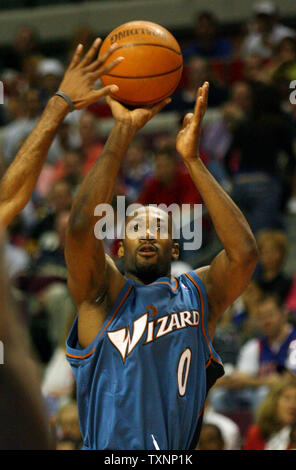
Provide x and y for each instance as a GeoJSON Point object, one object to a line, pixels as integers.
{"type": "Point", "coordinates": [36, 42]}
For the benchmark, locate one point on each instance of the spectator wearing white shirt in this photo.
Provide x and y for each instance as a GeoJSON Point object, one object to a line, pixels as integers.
{"type": "Point", "coordinates": [266, 32]}
{"type": "Point", "coordinates": [229, 429]}
{"type": "Point", "coordinates": [262, 361]}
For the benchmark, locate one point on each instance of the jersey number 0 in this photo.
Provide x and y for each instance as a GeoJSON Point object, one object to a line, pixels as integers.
{"type": "Point", "coordinates": [183, 371]}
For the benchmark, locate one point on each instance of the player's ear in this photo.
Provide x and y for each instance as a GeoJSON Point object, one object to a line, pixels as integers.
{"type": "Point", "coordinates": [120, 252]}
{"type": "Point", "coordinates": [175, 251]}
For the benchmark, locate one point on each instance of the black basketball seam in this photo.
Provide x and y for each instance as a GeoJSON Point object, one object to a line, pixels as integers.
{"type": "Point", "coordinates": [155, 100]}
{"type": "Point", "coordinates": [147, 44]}
{"type": "Point", "coordinates": [144, 76]}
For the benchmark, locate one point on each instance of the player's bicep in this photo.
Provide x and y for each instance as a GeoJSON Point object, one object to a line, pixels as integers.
{"type": "Point", "coordinates": [86, 263]}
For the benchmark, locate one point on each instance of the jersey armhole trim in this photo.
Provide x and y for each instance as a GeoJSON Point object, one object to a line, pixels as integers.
{"type": "Point", "coordinates": [76, 356]}
{"type": "Point", "coordinates": [212, 357]}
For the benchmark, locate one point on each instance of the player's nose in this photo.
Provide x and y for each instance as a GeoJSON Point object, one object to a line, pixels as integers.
{"type": "Point", "coordinates": [148, 235]}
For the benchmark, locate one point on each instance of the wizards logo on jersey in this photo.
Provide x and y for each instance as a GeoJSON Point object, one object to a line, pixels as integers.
{"type": "Point", "coordinates": [125, 342]}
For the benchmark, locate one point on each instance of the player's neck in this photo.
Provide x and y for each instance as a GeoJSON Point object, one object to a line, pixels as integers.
{"type": "Point", "coordinates": [147, 280]}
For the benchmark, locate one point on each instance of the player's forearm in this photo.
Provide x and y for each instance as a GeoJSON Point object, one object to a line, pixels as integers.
{"type": "Point", "coordinates": [21, 402]}
{"type": "Point", "coordinates": [229, 222]}
{"type": "Point", "coordinates": [18, 183]}
{"type": "Point", "coordinates": [98, 186]}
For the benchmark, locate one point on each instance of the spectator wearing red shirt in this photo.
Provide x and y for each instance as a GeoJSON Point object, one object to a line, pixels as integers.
{"type": "Point", "coordinates": [91, 146]}
{"type": "Point", "coordinates": [275, 421]}
{"type": "Point", "coordinates": [170, 183]}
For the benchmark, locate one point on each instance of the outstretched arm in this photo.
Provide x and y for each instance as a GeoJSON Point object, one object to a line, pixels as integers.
{"type": "Point", "coordinates": [23, 424]}
{"type": "Point", "coordinates": [231, 270]}
{"type": "Point", "coordinates": [18, 182]}
{"type": "Point", "coordinates": [93, 277]}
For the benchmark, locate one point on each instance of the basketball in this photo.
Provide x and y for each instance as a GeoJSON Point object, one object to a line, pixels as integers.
{"type": "Point", "coordinates": [152, 65]}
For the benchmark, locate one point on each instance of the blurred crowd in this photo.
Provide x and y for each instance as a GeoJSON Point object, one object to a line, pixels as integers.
{"type": "Point", "coordinates": [248, 144]}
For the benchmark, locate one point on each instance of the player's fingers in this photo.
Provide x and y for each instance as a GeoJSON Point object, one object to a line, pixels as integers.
{"type": "Point", "coordinates": [205, 92]}
{"type": "Point", "coordinates": [159, 106]}
{"type": "Point", "coordinates": [200, 104]}
{"type": "Point", "coordinates": [197, 102]}
{"type": "Point", "coordinates": [102, 59]}
{"type": "Point", "coordinates": [91, 52]}
{"type": "Point", "coordinates": [107, 90]}
{"type": "Point", "coordinates": [106, 68]}
{"type": "Point", "coordinates": [187, 119]}
{"type": "Point", "coordinates": [76, 57]}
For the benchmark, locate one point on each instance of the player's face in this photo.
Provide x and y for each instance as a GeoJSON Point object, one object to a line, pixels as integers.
{"type": "Point", "coordinates": [148, 248]}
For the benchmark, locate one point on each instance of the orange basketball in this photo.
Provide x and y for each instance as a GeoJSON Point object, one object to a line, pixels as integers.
{"type": "Point", "coordinates": [152, 65]}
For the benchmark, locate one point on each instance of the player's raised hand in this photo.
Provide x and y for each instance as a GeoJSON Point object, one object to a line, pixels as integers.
{"type": "Point", "coordinates": [136, 118]}
{"type": "Point", "coordinates": [188, 139]}
{"type": "Point", "coordinates": [83, 72]}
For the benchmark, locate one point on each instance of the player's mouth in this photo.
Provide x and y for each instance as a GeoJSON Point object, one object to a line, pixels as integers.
{"type": "Point", "coordinates": [147, 250]}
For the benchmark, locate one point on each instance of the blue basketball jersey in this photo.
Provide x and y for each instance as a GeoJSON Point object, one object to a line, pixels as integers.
{"type": "Point", "coordinates": [143, 381]}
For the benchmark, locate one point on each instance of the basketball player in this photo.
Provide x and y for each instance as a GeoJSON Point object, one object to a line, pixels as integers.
{"type": "Point", "coordinates": [141, 345]}
{"type": "Point", "coordinates": [18, 182]}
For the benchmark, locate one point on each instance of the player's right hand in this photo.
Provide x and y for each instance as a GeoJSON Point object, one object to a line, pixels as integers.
{"type": "Point", "coordinates": [136, 118]}
{"type": "Point", "coordinates": [83, 72]}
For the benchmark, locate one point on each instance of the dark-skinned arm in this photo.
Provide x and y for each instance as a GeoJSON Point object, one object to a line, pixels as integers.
{"type": "Point", "coordinates": [230, 272]}
{"type": "Point", "coordinates": [24, 423]}
{"type": "Point", "coordinates": [18, 182]}
{"type": "Point", "coordinates": [90, 270]}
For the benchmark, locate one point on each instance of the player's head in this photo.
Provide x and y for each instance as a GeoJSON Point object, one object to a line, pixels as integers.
{"type": "Point", "coordinates": [148, 247]}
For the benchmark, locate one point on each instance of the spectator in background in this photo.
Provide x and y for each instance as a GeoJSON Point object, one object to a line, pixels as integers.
{"type": "Point", "coordinates": [218, 133]}
{"type": "Point", "coordinates": [211, 438]}
{"type": "Point", "coordinates": [17, 131]}
{"type": "Point", "coordinates": [242, 315]}
{"type": "Point", "coordinates": [45, 286]}
{"type": "Point", "coordinates": [269, 275]}
{"type": "Point", "coordinates": [90, 142]}
{"type": "Point", "coordinates": [136, 169]}
{"type": "Point", "coordinates": [169, 184]}
{"type": "Point", "coordinates": [275, 419]}
{"type": "Point", "coordinates": [50, 72]}
{"type": "Point", "coordinates": [58, 383]}
{"type": "Point", "coordinates": [262, 361]}
{"type": "Point", "coordinates": [279, 69]}
{"type": "Point", "coordinates": [83, 36]}
{"type": "Point", "coordinates": [260, 181]}
{"type": "Point", "coordinates": [208, 43]}
{"type": "Point", "coordinates": [68, 428]}
{"type": "Point", "coordinates": [229, 429]}
{"type": "Point", "coordinates": [59, 199]}
{"type": "Point", "coordinates": [70, 169]}
{"type": "Point", "coordinates": [197, 71]}
{"type": "Point", "coordinates": [266, 32]}
{"type": "Point", "coordinates": [69, 163]}
{"type": "Point", "coordinates": [26, 44]}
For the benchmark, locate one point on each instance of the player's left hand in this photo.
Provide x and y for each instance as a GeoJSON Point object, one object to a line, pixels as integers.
{"type": "Point", "coordinates": [137, 118]}
{"type": "Point", "coordinates": [83, 72]}
{"type": "Point", "coordinates": [188, 139]}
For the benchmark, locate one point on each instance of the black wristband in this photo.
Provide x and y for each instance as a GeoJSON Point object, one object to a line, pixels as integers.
{"type": "Point", "coordinates": [66, 98]}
